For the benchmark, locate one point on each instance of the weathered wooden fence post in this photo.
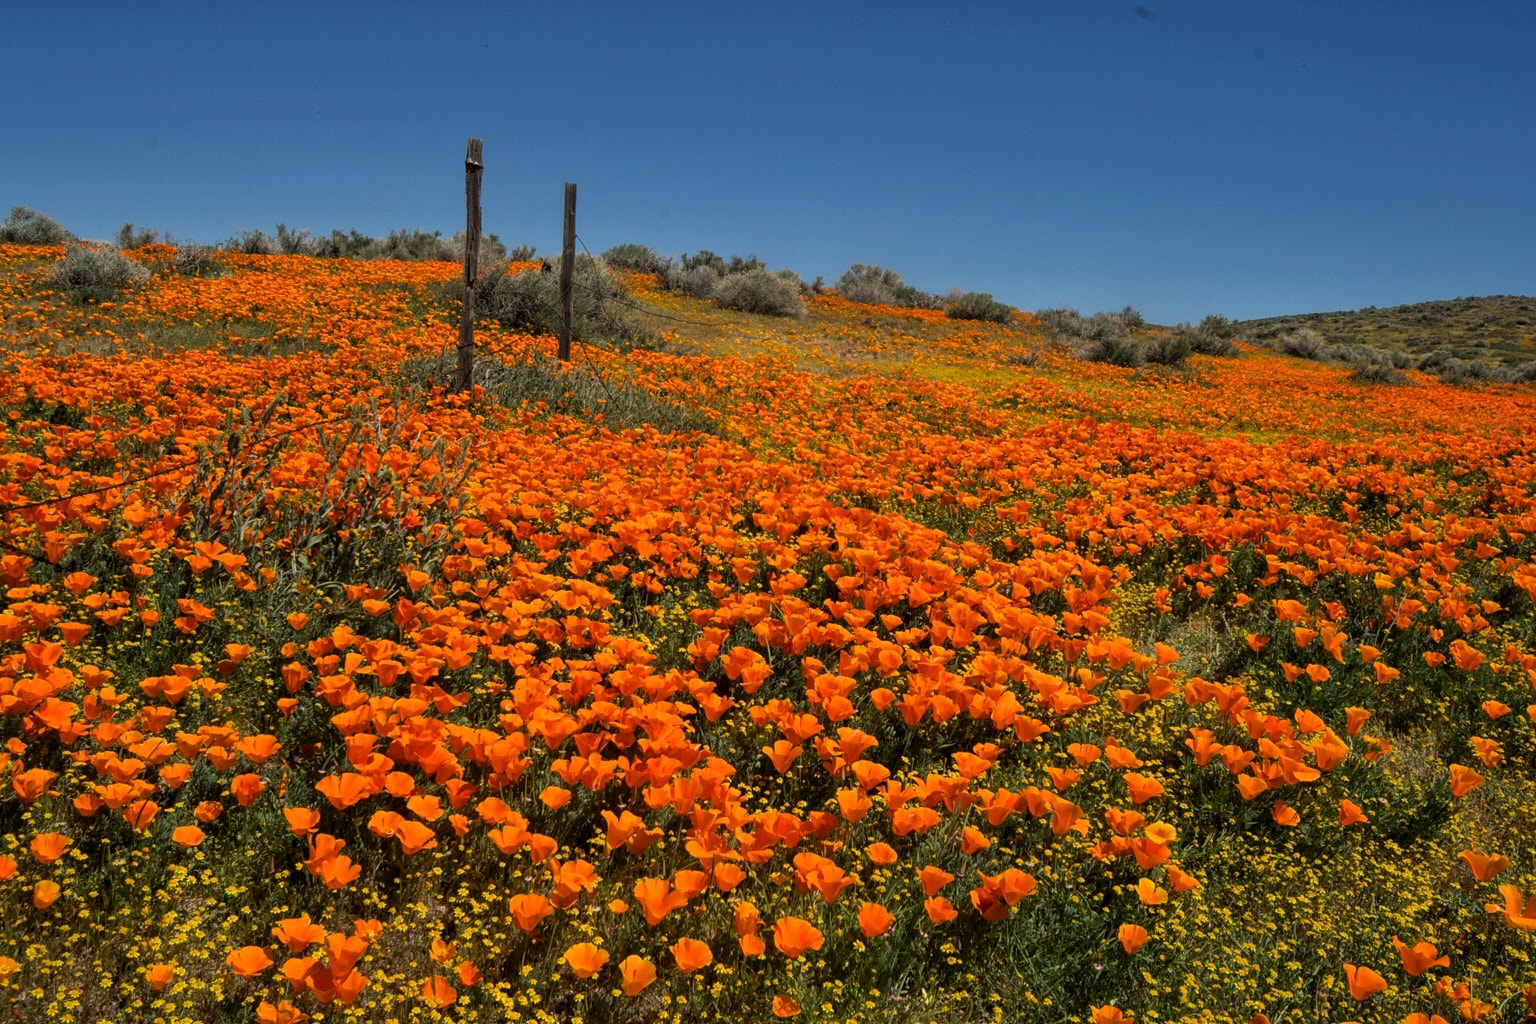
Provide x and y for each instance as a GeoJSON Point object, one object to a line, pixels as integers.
{"type": "Point", "coordinates": [474, 166]}
{"type": "Point", "coordinates": [567, 269]}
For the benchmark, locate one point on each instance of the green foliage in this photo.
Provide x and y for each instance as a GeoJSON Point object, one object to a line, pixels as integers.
{"type": "Point", "coordinates": [252, 243]}
{"type": "Point", "coordinates": [544, 384]}
{"type": "Point", "coordinates": [26, 226]}
{"type": "Point", "coordinates": [1067, 324]}
{"type": "Point", "coordinates": [530, 302]}
{"type": "Point", "coordinates": [350, 246]}
{"type": "Point", "coordinates": [1305, 344]}
{"type": "Point", "coordinates": [705, 258]}
{"type": "Point", "coordinates": [129, 237]}
{"type": "Point", "coordinates": [979, 306]}
{"type": "Point", "coordinates": [1378, 373]}
{"type": "Point", "coordinates": [95, 275]}
{"type": "Point", "coordinates": [1132, 318]}
{"type": "Point", "coordinates": [632, 256]}
{"type": "Point", "coordinates": [758, 291]}
{"type": "Point", "coordinates": [700, 281]}
{"type": "Point", "coordinates": [1118, 351]}
{"type": "Point", "coordinates": [1168, 350]}
{"type": "Point", "coordinates": [876, 285]}
{"type": "Point", "coordinates": [292, 243]}
{"type": "Point", "coordinates": [193, 260]}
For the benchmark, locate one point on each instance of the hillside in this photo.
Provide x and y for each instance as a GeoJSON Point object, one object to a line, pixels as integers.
{"type": "Point", "coordinates": [858, 664]}
{"type": "Point", "coordinates": [1497, 329]}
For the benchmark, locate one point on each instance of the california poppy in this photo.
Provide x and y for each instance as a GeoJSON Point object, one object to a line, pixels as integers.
{"type": "Point", "coordinates": [249, 961]}
{"type": "Point", "coordinates": [1419, 957]}
{"type": "Point", "coordinates": [1363, 982]}
{"type": "Point", "coordinates": [1484, 867]}
{"type": "Point", "coordinates": [691, 954]}
{"type": "Point", "coordinates": [1132, 937]}
{"type": "Point", "coordinates": [636, 974]}
{"type": "Point", "coordinates": [874, 919]}
{"type": "Point", "coordinates": [585, 959]}
{"type": "Point", "coordinates": [793, 936]}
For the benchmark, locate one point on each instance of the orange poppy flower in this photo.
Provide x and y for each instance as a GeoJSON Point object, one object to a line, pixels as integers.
{"type": "Point", "coordinates": [1419, 957]}
{"type": "Point", "coordinates": [249, 961]}
{"type": "Point", "coordinates": [1464, 780]}
{"type": "Point", "coordinates": [159, 976]}
{"type": "Point", "coordinates": [1485, 867]}
{"type": "Point", "coordinates": [881, 854]}
{"type": "Point", "coordinates": [436, 991]}
{"type": "Point", "coordinates": [301, 820]}
{"type": "Point", "coordinates": [1132, 937]}
{"type": "Point", "coordinates": [1143, 788]}
{"type": "Point", "coordinates": [246, 788]}
{"type": "Point", "coordinates": [1350, 813]}
{"type": "Point", "coordinates": [793, 936]}
{"type": "Point", "coordinates": [298, 932]}
{"type": "Point", "coordinates": [636, 974]}
{"type": "Point", "coordinates": [528, 909]}
{"type": "Point", "coordinates": [874, 919]}
{"type": "Point", "coordinates": [940, 910]}
{"type": "Point", "coordinates": [1522, 919]}
{"type": "Point", "coordinates": [933, 879]}
{"type": "Point", "coordinates": [1150, 893]}
{"type": "Point", "coordinates": [187, 835]}
{"type": "Point", "coordinates": [691, 954]}
{"type": "Point", "coordinates": [49, 846]}
{"type": "Point", "coordinates": [585, 959]}
{"type": "Point", "coordinates": [1363, 982]}
{"type": "Point", "coordinates": [283, 1013]}
{"type": "Point", "coordinates": [45, 894]}
{"type": "Point", "coordinates": [784, 1006]}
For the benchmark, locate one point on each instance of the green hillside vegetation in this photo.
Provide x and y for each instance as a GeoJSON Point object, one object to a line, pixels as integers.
{"type": "Point", "coordinates": [1496, 329]}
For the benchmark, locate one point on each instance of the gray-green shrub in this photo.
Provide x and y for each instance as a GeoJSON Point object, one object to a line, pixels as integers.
{"type": "Point", "coordinates": [129, 237]}
{"type": "Point", "coordinates": [632, 256]}
{"type": "Point", "coordinates": [571, 389]}
{"type": "Point", "coordinates": [95, 275]}
{"type": "Point", "coordinates": [1305, 344]}
{"type": "Point", "coordinates": [530, 302]}
{"type": "Point", "coordinates": [979, 306]}
{"type": "Point", "coordinates": [758, 291]}
{"type": "Point", "coordinates": [1118, 351]}
{"type": "Point", "coordinates": [1167, 350]}
{"type": "Point", "coordinates": [25, 226]}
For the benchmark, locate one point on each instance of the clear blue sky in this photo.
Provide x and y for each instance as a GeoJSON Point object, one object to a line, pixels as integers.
{"type": "Point", "coordinates": [1248, 157]}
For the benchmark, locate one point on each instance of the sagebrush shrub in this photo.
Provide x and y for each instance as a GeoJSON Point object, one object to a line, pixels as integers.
{"type": "Point", "coordinates": [1118, 351]}
{"type": "Point", "coordinates": [95, 275]}
{"type": "Point", "coordinates": [699, 281]}
{"type": "Point", "coordinates": [1304, 344]}
{"type": "Point", "coordinates": [758, 291]}
{"type": "Point", "coordinates": [979, 306]}
{"type": "Point", "coordinates": [1168, 350]}
{"type": "Point", "coordinates": [25, 226]}
{"type": "Point", "coordinates": [530, 301]}
{"type": "Point", "coordinates": [632, 256]}
{"type": "Point", "coordinates": [129, 237]}
{"type": "Point", "coordinates": [1378, 373]}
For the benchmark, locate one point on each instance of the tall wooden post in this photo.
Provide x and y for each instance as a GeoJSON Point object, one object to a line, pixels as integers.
{"type": "Point", "coordinates": [474, 166]}
{"type": "Point", "coordinates": [567, 270]}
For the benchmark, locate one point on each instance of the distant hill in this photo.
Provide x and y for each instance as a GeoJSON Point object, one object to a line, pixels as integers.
{"type": "Point", "coordinates": [1496, 328]}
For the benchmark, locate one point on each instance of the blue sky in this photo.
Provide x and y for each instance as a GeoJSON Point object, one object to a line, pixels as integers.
{"type": "Point", "coordinates": [1250, 158]}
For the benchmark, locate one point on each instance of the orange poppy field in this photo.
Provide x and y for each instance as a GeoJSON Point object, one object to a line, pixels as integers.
{"type": "Point", "coordinates": [899, 668]}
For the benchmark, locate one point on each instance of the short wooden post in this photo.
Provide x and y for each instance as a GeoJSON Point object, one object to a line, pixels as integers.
{"type": "Point", "coordinates": [474, 167]}
{"type": "Point", "coordinates": [567, 270]}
